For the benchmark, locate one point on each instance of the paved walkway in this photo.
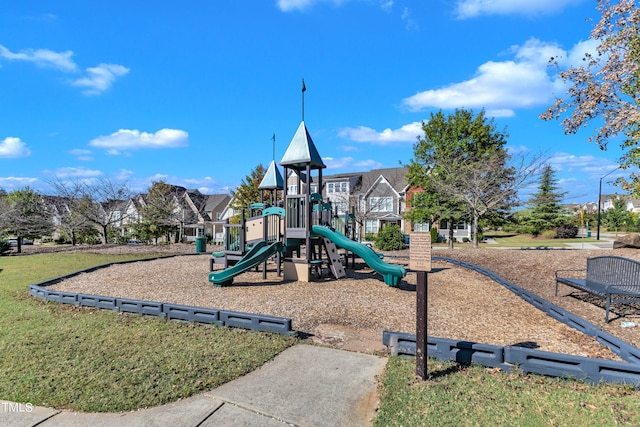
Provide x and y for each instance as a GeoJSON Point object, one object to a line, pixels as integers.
{"type": "Point", "coordinates": [303, 386]}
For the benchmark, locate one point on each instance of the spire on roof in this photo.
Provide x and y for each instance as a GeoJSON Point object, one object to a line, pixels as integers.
{"type": "Point", "coordinates": [302, 151]}
{"type": "Point", "coordinates": [272, 179]}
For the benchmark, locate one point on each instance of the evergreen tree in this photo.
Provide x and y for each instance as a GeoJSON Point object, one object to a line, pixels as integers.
{"type": "Point", "coordinates": [618, 216]}
{"type": "Point", "coordinates": [248, 192]}
{"type": "Point", "coordinates": [545, 209]}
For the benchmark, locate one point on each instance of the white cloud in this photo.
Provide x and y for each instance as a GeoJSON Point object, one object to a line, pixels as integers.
{"type": "Point", "coordinates": [349, 164]}
{"type": "Point", "coordinates": [132, 139]}
{"type": "Point", "coordinates": [100, 78]}
{"type": "Point", "coordinates": [71, 172]}
{"type": "Point", "coordinates": [12, 147]}
{"type": "Point", "coordinates": [501, 87]}
{"type": "Point", "coordinates": [96, 79]}
{"type": "Point", "coordinates": [15, 182]}
{"type": "Point", "coordinates": [472, 8]}
{"type": "Point", "coordinates": [406, 133]}
{"type": "Point", "coordinates": [42, 58]}
{"type": "Point", "coordinates": [303, 5]}
{"type": "Point", "coordinates": [83, 155]}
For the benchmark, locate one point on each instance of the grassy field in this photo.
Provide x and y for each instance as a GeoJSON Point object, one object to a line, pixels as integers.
{"type": "Point", "coordinates": [511, 240]}
{"type": "Point", "coordinates": [457, 395]}
{"type": "Point", "coordinates": [97, 360]}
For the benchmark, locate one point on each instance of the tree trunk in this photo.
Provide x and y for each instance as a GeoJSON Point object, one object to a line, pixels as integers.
{"type": "Point", "coordinates": [104, 234]}
{"type": "Point", "coordinates": [451, 238]}
{"type": "Point", "coordinates": [474, 232]}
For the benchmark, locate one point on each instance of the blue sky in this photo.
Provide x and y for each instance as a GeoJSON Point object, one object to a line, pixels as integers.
{"type": "Point", "coordinates": [191, 93]}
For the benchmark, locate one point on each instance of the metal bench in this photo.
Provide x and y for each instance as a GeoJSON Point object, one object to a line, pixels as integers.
{"type": "Point", "coordinates": [614, 278]}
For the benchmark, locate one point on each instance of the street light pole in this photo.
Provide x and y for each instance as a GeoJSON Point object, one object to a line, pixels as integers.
{"type": "Point", "coordinates": [600, 200]}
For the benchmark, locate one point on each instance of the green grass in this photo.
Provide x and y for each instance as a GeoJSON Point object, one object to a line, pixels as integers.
{"type": "Point", "coordinates": [457, 395]}
{"type": "Point", "coordinates": [506, 240]}
{"type": "Point", "coordinates": [97, 360]}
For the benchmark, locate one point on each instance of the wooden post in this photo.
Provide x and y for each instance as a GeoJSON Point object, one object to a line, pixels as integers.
{"type": "Point", "coordinates": [421, 325]}
{"type": "Point", "coordinates": [420, 261]}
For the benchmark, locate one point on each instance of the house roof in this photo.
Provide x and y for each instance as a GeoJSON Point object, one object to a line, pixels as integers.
{"type": "Point", "coordinates": [396, 177]}
{"type": "Point", "coordinates": [272, 179]}
{"type": "Point", "coordinates": [302, 151]}
{"type": "Point", "coordinates": [217, 202]}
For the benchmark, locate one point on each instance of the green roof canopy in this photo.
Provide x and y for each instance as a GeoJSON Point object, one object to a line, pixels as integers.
{"type": "Point", "coordinates": [272, 179]}
{"type": "Point", "coordinates": [302, 151]}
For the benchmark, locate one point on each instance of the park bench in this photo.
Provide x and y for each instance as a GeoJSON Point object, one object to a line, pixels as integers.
{"type": "Point", "coordinates": [614, 278]}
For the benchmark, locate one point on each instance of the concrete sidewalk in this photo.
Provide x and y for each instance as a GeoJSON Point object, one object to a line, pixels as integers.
{"type": "Point", "coordinates": [303, 386]}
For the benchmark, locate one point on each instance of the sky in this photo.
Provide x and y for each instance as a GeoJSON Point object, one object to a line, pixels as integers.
{"type": "Point", "coordinates": [194, 93]}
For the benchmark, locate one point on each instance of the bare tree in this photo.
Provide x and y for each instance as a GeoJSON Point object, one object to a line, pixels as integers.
{"type": "Point", "coordinates": [99, 202]}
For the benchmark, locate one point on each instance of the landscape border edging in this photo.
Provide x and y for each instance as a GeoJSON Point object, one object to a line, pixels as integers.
{"type": "Point", "coordinates": [527, 360]}
{"type": "Point", "coordinates": [169, 311]}
{"type": "Point", "coordinates": [620, 347]}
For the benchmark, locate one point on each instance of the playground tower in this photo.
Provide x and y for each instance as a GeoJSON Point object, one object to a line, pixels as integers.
{"type": "Point", "coordinates": [302, 159]}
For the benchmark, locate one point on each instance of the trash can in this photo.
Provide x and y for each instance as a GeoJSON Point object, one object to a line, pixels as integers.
{"type": "Point", "coordinates": [201, 244]}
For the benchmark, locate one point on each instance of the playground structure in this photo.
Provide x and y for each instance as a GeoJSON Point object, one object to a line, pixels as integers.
{"type": "Point", "coordinates": [301, 235]}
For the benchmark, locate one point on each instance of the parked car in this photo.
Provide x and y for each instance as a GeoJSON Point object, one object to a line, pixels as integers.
{"type": "Point", "coordinates": [14, 242]}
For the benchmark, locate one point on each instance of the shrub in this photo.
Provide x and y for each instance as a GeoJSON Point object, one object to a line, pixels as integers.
{"type": "Point", "coordinates": [434, 234]}
{"type": "Point", "coordinates": [390, 238]}
{"type": "Point", "coordinates": [567, 231]}
{"type": "Point", "coordinates": [5, 246]}
{"type": "Point", "coordinates": [549, 234]}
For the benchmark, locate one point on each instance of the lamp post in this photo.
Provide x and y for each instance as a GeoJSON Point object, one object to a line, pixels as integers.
{"type": "Point", "coordinates": [600, 200]}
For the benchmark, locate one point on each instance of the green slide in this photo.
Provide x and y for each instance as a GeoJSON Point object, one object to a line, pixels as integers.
{"type": "Point", "coordinates": [390, 272]}
{"type": "Point", "coordinates": [259, 253]}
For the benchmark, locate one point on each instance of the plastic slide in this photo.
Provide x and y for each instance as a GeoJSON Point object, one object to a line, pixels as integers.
{"type": "Point", "coordinates": [258, 254]}
{"type": "Point", "coordinates": [390, 272]}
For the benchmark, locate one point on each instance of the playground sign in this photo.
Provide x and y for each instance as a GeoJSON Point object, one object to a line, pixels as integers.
{"type": "Point", "coordinates": [420, 252]}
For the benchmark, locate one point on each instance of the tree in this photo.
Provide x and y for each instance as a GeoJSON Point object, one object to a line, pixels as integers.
{"type": "Point", "coordinates": [161, 213]}
{"type": "Point", "coordinates": [247, 192]}
{"type": "Point", "coordinates": [545, 209]}
{"type": "Point", "coordinates": [605, 89]}
{"type": "Point", "coordinates": [463, 165]}
{"type": "Point", "coordinates": [618, 216]}
{"type": "Point", "coordinates": [71, 221]}
{"type": "Point", "coordinates": [98, 202]}
{"type": "Point", "coordinates": [25, 214]}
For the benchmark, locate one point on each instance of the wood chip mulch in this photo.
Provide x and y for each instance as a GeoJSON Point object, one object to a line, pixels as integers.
{"type": "Point", "coordinates": [462, 304]}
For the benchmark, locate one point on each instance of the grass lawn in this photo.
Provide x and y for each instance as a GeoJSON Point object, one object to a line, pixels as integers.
{"type": "Point", "coordinates": [97, 360]}
{"type": "Point", "coordinates": [457, 395]}
{"type": "Point", "coordinates": [510, 240]}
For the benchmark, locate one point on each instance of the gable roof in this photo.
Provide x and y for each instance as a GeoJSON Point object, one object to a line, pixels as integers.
{"type": "Point", "coordinates": [302, 151]}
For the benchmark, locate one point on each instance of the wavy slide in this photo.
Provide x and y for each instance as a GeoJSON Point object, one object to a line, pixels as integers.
{"type": "Point", "coordinates": [259, 253]}
{"type": "Point", "coordinates": [390, 272]}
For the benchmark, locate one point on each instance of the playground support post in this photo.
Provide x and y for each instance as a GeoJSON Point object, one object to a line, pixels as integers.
{"type": "Point", "coordinates": [421, 325]}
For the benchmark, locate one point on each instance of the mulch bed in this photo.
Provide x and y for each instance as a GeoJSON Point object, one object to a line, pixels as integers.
{"type": "Point", "coordinates": [462, 304]}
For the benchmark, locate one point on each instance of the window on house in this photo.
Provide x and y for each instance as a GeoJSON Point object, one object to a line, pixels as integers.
{"type": "Point", "coordinates": [218, 216]}
{"type": "Point", "coordinates": [421, 226]}
{"type": "Point", "coordinates": [314, 188]}
{"type": "Point", "coordinates": [338, 187]}
{"type": "Point", "coordinates": [456, 226]}
{"type": "Point", "coordinates": [292, 189]}
{"type": "Point", "coordinates": [371, 226]}
{"type": "Point", "coordinates": [381, 204]}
